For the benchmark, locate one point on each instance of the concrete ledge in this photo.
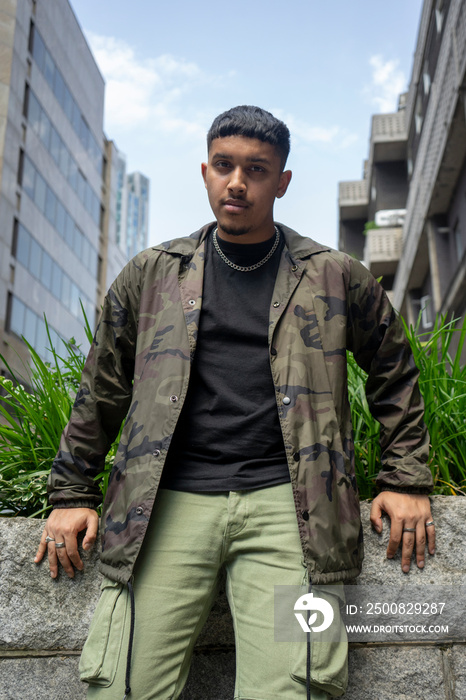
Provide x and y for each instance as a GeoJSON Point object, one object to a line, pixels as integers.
{"type": "Point", "coordinates": [43, 623]}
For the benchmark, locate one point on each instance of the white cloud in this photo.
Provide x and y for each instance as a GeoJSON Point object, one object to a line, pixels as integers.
{"type": "Point", "coordinates": [388, 81]}
{"type": "Point", "coordinates": [143, 91]}
{"type": "Point", "coordinates": [303, 132]}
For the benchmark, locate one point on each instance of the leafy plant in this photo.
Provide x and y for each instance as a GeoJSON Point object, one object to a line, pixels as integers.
{"type": "Point", "coordinates": [442, 382]}
{"type": "Point", "coordinates": [34, 410]}
{"type": "Point", "coordinates": [443, 385]}
{"type": "Point", "coordinates": [369, 226]}
{"type": "Point", "coordinates": [365, 431]}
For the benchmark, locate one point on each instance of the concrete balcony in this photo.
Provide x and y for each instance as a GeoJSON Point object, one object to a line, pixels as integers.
{"type": "Point", "coordinates": [388, 137]}
{"type": "Point", "coordinates": [353, 199]}
{"type": "Point", "coordinates": [382, 251]}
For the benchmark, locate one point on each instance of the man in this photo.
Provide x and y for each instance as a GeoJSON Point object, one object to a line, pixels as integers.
{"type": "Point", "coordinates": [226, 352]}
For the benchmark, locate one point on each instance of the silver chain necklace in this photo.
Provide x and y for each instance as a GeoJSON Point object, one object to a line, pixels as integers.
{"type": "Point", "coordinates": [250, 268]}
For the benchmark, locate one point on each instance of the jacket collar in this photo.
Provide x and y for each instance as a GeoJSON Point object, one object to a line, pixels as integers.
{"type": "Point", "coordinates": [299, 246]}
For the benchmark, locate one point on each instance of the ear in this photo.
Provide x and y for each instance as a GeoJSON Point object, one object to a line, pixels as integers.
{"type": "Point", "coordinates": [204, 172]}
{"type": "Point", "coordinates": [283, 183]}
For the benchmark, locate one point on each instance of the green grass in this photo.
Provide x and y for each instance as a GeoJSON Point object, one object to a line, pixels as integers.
{"type": "Point", "coordinates": [443, 386]}
{"type": "Point", "coordinates": [36, 407]}
{"type": "Point", "coordinates": [442, 382]}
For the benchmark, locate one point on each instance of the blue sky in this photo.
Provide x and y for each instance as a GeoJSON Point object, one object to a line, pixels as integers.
{"type": "Point", "coordinates": [323, 67]}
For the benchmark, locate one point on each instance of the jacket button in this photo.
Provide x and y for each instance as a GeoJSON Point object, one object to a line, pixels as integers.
{"type": "Point", "coordinates": [296, 456]}
{"type": "Point", "coordinates": [305, 514]}
{"type": "Point", "coordinates": [294, 268]}
{"type": "Point", "coordinates": [192, 302]}
{"type": "Point", "coordinates": [173, 398]}
{"type": "Point", "coordinates": [273, 351]}
{"type": "Point", "coordinates": [276, 304]}
{"type": "Point", "coordinates": [156, 453]}
{"type": "Point", "coordinates": [286, 400]}
{"type": "Point", "coordinates": [139, 510]}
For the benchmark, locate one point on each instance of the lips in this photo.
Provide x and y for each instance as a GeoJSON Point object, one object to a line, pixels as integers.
{"type": "Point", "coordinates": [235, 206]}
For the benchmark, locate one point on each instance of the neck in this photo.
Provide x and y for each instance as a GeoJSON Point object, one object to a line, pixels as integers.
{"type": "Point", "coordinates": [247, 237]}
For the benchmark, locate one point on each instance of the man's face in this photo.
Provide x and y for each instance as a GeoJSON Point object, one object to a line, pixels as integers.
{"type": "Point", "coordinates": [243, 177]}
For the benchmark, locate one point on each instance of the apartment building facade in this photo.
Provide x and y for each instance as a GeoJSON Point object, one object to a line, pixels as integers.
{"type": "Point", "coordinates": [414, 186]}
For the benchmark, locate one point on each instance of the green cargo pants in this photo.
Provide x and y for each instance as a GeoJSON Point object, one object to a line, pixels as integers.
{"type": "Point", "coordinates": [191, 537]}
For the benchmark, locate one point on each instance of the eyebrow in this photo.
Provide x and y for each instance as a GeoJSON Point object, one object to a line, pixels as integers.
{"type": "Point", "coordinates": [252, 159]}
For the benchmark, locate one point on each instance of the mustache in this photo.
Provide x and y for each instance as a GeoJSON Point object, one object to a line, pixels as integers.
{"type": "Point", "coordinates": [235, 200]}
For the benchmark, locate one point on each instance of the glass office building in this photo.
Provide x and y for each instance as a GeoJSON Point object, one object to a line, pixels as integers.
{"type": "Point", "coordinates": [58, 180]}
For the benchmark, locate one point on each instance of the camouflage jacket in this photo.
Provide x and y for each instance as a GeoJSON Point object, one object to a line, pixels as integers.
{"type": "Point", "coordinates": [139, 365]}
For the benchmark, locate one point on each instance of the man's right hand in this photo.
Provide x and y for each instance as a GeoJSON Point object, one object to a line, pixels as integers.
{"type": "Point", "coordinates": [63, 526]}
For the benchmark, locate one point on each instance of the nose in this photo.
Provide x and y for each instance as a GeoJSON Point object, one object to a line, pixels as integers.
{"type": "Point", "coordinates": [237, 182]}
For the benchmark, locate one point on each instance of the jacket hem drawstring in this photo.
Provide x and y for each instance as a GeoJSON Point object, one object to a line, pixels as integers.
{"type": "Point", "coordinates": [308, 656]}
{"type": "Point", "coordinates": [130, 643]}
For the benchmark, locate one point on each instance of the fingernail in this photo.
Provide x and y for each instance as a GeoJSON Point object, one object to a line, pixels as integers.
{"type": "Point", "coordinates": [406, 568]}
{"type": "Point", "coordinates": [420, 564]}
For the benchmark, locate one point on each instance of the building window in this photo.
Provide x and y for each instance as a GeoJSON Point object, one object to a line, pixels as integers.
{"type": "Point", "coordinates": [59, 87]}
{"type": "Point", "coordinates": [34, 112]}
{"type": "Point", "coordinates": [35, 257]}
{"type": "Point", "coordinates": [46, 271]}
{"type": "Point", "coordinates": [22, 244]}
{"type": "Point", "coordinates": [55, 145]}
{"type": "Point", "coordinates": [31, 36]}
{"type": "Point", "coordinates": [26, 100]}
{"type": "Point", "coordinates": [40, 192]}
{"type": "Point", "coordinates": [22, 321]}
{"type": "Point", "coordinates": [49, 69]}
{"type": "Point", "coordinates": [459, 243]}
{"type": "Point", "coordinates": [439, 15]}
{"type": "Point", "coordinates": [426, 78]}
{"type": "Point", "coordinates": [427, 316]}
{"type": "Point", "coordinates": [17, 310]}
{"type": "Point", "coordinates": [418, 115]}
{"type": "Point", "coordinates": [104, 168]}
{"type": "Point", "coordinates": [410, 167]}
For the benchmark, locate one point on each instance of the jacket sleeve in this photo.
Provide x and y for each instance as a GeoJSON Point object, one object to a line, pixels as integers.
{"type": "Point", "coordinates": [102, 400]}
{"type": "Point", "coordinates": [380, 346]}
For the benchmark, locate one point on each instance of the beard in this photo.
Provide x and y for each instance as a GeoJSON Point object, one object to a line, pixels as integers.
{"type": "Point", "coordinates": [234, 231]}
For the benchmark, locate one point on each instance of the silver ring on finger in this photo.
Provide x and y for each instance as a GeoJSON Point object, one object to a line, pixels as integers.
{"type": "Point", "coordinates": [59, 545]}
{"type": "Point", "coordinates": [49, 539]}
{"type": "Point", "coordinates": [430, 523]}
{"type": "Point", "coordinates": [405, 529]}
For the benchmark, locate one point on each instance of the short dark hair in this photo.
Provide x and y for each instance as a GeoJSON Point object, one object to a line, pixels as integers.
{"type": "Point", "coordinates": [254, 123]}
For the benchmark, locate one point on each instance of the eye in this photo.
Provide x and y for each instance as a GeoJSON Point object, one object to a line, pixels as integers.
{"type": "Point", "coordinates": [222, 164]}
{"type": "Point", "coordinates": [257, 169]}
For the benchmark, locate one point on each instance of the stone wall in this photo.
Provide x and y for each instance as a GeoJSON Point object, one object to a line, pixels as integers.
{"type": "Point", "coordinates": [43, 623]}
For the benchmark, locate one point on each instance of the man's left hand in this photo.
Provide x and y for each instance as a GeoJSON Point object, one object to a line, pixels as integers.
{"type": "Point", "coordinates": [407, 512]}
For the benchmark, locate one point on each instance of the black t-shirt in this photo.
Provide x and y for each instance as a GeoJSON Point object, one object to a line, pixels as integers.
{"type": "Point", "coordinates": [228, 437]}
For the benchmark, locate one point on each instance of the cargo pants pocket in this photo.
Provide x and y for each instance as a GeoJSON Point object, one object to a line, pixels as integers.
{"type": "Point", "coordinates": [329, 649]}
{"type": "Point", "coordinates": [101, 652]}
